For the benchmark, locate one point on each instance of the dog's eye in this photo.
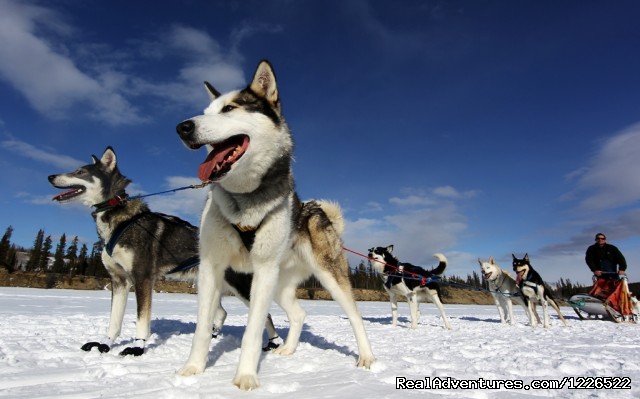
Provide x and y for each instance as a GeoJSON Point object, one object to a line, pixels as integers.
{"type": "Point", "coordinates": [79, 172]}
{"type": "Point", "coordinates": [228, 108]}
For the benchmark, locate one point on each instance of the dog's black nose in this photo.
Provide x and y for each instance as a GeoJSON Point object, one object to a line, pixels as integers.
{"type": "Point", "coordinates": [186, 128]}
{"type": "Point", "coordinates": [51, 177]}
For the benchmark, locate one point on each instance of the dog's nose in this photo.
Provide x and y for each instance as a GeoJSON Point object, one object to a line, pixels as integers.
{"type": "Point", "coordinates": [186, 128]}
{"type": "Point", "coordinates": [51, 177]}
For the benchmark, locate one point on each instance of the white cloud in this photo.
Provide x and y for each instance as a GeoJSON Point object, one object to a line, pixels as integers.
{"type": "Point", "coordinates": [416, 234]}
{"type": "Point", "coordinates": [57, 73]}
{"type": "Point", "coordinates": [186, 204]}
{"type": "Point", "coordinates": [611, 180]}
{"type": "Point", "coordinates": [25, 149]}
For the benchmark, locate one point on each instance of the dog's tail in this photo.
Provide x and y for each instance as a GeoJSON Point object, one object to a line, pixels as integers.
{"type": "Point", "coordinates": [441, 266]}
{"type": "Point", "coordinates": [334, 213]}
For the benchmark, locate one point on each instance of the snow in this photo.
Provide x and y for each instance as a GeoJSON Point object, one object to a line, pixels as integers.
{"type": "Point", "coordinates": [41, 332]}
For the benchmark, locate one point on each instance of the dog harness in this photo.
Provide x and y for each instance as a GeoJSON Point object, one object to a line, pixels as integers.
{"type": "Point", "coordinates": [247, 235]}
{"type": "Point", "coordinates": [122, 228]}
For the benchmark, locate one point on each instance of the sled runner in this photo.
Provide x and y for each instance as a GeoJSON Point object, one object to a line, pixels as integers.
{"type": "Point", "coordinates": [609, 298]}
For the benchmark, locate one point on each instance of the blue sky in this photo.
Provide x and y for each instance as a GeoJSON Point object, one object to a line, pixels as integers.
{"type": "Point", "coordinates": [472, 128]}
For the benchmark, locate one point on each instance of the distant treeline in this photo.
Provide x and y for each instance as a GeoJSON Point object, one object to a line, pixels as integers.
{"type": "Point", "coordinates": [72, 259]}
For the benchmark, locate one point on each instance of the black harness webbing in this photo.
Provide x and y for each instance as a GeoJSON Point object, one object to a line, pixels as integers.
{"type": "Point", "coordinates": [120, 230]}
{"type": "Point", "coordinates": [247, 235]}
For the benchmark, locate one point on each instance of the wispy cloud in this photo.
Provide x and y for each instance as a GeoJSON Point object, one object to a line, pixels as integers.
{"type": "Point", "coordinates": [422, 223]}
{"type": "Point", "coordinates": [45, 59]}
{"type": "Point", "coordinates": [37, 154]}
{"type": "Point", "coordinates": [611, 179]}
{"type": "Point", "coordinates": [187, 204]}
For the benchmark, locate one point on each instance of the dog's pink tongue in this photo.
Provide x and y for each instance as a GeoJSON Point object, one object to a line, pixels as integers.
{"type": "Point", "coordinates": [519, 277]}
{"type": "Point", "coordinates": [206, 168]}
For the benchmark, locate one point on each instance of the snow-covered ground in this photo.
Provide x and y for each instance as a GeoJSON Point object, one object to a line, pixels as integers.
{"type": "Point", "coordinates": [41, 332]}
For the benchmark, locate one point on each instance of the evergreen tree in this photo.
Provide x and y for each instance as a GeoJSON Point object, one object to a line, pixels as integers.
{"type": "Point", "coordinates": [36, 252]}
{"type": "Point", "coordinates": [43, 264]}
{"type": "Point", "coordinates": [5, 246]}
{"type": "Point", "coordinates": [72, 255]}
{"type": "Point", "coordinates": [58, 257]}
{"type": "Point", "coordinates": [82, 261]}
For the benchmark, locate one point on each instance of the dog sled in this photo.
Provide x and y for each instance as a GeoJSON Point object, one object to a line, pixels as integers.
{"type": "Point", "coordinates": [609, 299]}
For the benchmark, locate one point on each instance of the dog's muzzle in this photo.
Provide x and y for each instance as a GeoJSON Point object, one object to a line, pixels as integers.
{"type": "Point", "coordinates": [186, 129]}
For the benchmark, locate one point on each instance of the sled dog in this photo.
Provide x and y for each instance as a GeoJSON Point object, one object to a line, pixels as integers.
{"type": "Point", "coordinates": [404, 279]}
{"type": "Point", "coordinates": [534, 289]}
{"type": "Point", "coordinates": [254, 221]}
{"type": "Point", "coordinates": [504, 289]}
{"type": "Point", "coordinates": [140, 247]}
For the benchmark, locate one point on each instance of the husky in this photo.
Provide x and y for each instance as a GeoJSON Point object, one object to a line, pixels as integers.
{"type": "Point", "coordinates": [405, 279]}
{"type": "Point", "coordinates": [504, 289]}
{"type": "Point", "coordinates": [534, 289]}
{"type": "Point", "coordinates": [140, 247]}
{"type": "Point", "coordinates": [254, 221]}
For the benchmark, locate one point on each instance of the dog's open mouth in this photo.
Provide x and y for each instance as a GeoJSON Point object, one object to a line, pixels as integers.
{"type": "Point", "coordinates": [220, 160]}
{"type": "Point", "coordinates": [487, 275]}
{"type": "Point", "coordinates": [72, 192]}
{"type": "Point", "coordinates": [519, 275]}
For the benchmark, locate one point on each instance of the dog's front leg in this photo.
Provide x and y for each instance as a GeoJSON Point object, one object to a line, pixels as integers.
{"type": "Point", "coordinates": [265, 276]}
{"type": "Point", "coordinates": [210, 276]}
{"type": "Point", "coordinates": [394, 308]}
{"type": "Point", "coordinates": [500, 306]}
{"type": "Point", "coordinates": [412, 298]}
{"type": "Point", "coordinates": [120, 286]}
{"type": "Point", "coordinates": [512, 319]}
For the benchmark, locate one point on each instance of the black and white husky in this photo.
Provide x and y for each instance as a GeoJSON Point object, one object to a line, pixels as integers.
{"type": "Point", "coordinates": [140, 247]}
{"type": "Point", "coordinates": [534, 289]}
{"type": "Point", "coordinates": [254, 221]}
{"type": "Point", "coordinates": [504, 289]}
{"type": "Point", "coordinates": [405, 279]}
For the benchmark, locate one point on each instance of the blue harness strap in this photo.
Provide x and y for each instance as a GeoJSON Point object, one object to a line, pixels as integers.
{"type": "Point", "coordinates": [186, 265]}
{"type": "Point", "coordinates": [120, 230]}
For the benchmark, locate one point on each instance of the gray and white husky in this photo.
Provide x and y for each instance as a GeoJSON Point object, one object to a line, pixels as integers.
{"type": "Point", "coordinates": [254, 221]}
{"type": "Point", "coordinates": [401, 278]}
{"type": "Point", "coordinates": [140, 247]}
{"type": "Point", "coordinates": [504, 289]}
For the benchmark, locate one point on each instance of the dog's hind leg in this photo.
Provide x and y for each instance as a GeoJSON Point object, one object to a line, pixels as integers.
{"type": "Point", "coordinates": [435, 298]}
{"type": "Point", "coordinates": [144, 292]}
{"type": "Point", "coordinates": [555, 306]}
{"type": "Point", "coordinates": [219, 317]}
{"type": "Point", "coordinates": [286, 298]}
{"type": "Point", "coordinates": [340, 289]}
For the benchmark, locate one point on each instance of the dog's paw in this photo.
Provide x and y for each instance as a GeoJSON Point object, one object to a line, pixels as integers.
{"type": "Point", "coordinates": [215, 332]}
{"type": "Point", "coordinates": [189, 370]}
{"type": "Point", "coordinates": [102, 348]}
{"type": "Point", "coordinates": [246, 382]}
{"type": "Point", "coordinates": [365, 361]}
{"type": "Point", "coordinates": [284, 351]}
{"type": "Point", "coordinates": [273, 345]}
{"type": "Point", "coordinates": [135, 351]}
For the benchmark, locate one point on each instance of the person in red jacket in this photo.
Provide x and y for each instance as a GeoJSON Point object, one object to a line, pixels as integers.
{"type": "Point", "coordinates": [602, 257]}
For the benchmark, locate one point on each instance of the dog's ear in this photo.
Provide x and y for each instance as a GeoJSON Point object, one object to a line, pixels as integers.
{"type": "Point", "coordinates": [390, 248]}
{"type": "Point", "coordinates": [211, 91]}
{"type": "Point", "coordinates": [109, 159]}
{"type": "Point", "coordinates": [491, 260]}
{"type": "Point", "coordinates": [480, 261]}
{"type": "Point", "coordinates": [514, 257]}
{"type": "Point", "coordinates": [94, 159]}
{"type": "Point", "coordinates": [264, 82]}
{"type": "Point", "coordinates": [526, 257]}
